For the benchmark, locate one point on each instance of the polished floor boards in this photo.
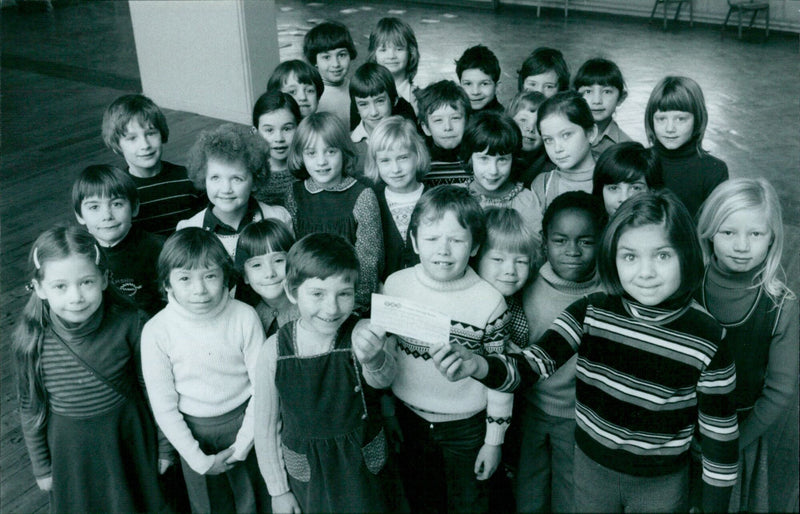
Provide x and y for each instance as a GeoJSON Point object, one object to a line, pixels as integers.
{"type": "Point", "coordinates": [60, 69]}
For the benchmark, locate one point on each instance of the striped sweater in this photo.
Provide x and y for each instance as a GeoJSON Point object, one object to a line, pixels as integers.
{"type": "Point", "coordinates": [646, 377]}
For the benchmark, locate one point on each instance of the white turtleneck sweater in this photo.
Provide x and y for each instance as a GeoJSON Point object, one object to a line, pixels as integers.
{"type": "Point", "coordinates": [203, 366]}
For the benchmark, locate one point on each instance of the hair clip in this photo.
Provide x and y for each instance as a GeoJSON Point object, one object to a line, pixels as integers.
{"type": "Point", "coordinates": [36, 259]}
{"type": "Point", "coordinates": [29, 287]}
{"type": "Point", "coordinates": [96, 255]}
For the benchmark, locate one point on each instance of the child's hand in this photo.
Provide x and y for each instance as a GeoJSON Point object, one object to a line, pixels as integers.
{"type": "Point", "coordinates": [163, 465]}
{"type": "Point", "coordinates": [368, 341]}
{"type": "Point", "coordinates": [45, 484]}
{"type": "Point", "coordinates": [221, 464]}
{"type": "Point", "coordinates": [456, 362]}
{"type": "Point", "coordinates": [487, 461]}
{"type": "Point", "coordinates": [286, 502]}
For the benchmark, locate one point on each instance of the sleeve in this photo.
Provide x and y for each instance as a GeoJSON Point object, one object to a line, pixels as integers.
{"type": "Point", "coordinates": [279, 212]}
{"type": "Point", "coordinates": [160, 382]}
{"type": "Point", "coordinates": [252, 341]}
{"type": "Point", "coordinates": [267, 420]}
{"type": "Point", "coordinates": [498, 404]}
{"type": "Point", "coordinates": [530, 209]}
{"type": "Point", "coordinates": [539, 201]}
{"type": "Point", "coordinates": [291, 204]}
{"type": "Point", "coordinates": [369, 245]}
{"type": "Point", "coordinates": [165, 450]}
{"type": "Point", "coordinates": [540, 360]}
{"type": "Point", "coordinates": [717, 421]}
{"type": "Point", "coordinates": [35, 435]}
{"type": "Point", "coordinates": [497, 335]}
{"type": "Point", "coordinates": [383, 376]}
{"type": "Point", "coordinates": [780, 382]}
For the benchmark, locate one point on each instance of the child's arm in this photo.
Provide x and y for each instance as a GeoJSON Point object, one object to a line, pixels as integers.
{"type": "Point", "coordinates": [160, 382]}
{"type": "Point", "coordinates": [374, 350]}
{"type": "Point", "coordinates": [267, 429]}
{"type": "Point", "coordinates": [369, 245]}
{"type": "Point", "coordinates": [252, 341]}
{"type": "Point", "coordinates": [507, 372]}
{"type": "Point", "coordinates": [35, 441]}
{"type": "Point", "coordinates": [780, 382]}
{"type": "Point", "coordinates": [718, 425]}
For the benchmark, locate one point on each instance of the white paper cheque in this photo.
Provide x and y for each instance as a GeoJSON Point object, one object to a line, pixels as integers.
{"type": "Point", "coordinates": [410, 319]}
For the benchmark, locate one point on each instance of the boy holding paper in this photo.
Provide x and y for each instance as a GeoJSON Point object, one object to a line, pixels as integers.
{"type": "Point", "coordinates": [452, 432]}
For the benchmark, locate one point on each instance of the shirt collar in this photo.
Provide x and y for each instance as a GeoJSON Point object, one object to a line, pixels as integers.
{"type": "Point", "coordinates": [612, 132]}
{"type": "Point", "coordinates": [212, 223]}
{"type": "Point", "coordinates": [359, 133]}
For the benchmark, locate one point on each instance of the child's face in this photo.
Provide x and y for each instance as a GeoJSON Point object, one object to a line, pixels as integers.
{"type": "Point", "coordinates": [277, 128]}
{"type": "Point", "coordinates": [615, 194]}
{"type": "Point", "coordinates": [446, 126]}
{"type": "Point", "coordinates": [479, 86]}
{"type": "Point", "coordinates": [323, 163]}
{"type": "Point", "coordinates": [673, 129]}
{"type": "Point", "coordinates": [73, 287]}
{"type": "Point", "coordinates": [568, 145]}
{"type": "Point", "coordinates": [228, 186]}
{"type": "Point", "coordinates": [141, 148]}
{"type": "Point", "coordinates": [526, 121]}
{"type": "Point", "coordinates": [373, 109]}
{"type": "Point", "coordinates": [545, 83]}
{"type": "Point", "coordinates": [304, 94]}
{"type": "Point", "coordinates": [571, 245]}
{"type": "Point", "coordinates": [325, 304]}
{"type": "Point", "coordinates": [506, 271]}
{"type": "Point", "coordinates": [491, 172]}
{"type": "Point", "coordinates": [198, 290]}
{"type": "Point", "coordinates": [333, 65]}
{"type": "Point", "coordinates": [648, 264]}
{"type": "Point", "coordinates": [265, 274]}
{"type": "Point", "coordinates": [602, 100]}
{"type": "Point", "coordinates": [444, 247]}
{"type": "Point", "coordinates": [743, 240]}
{"type": "Point", "coordinates": [397, 168]}
{"type": "Point", "coordinates": [107, 219]}
{"type": "Point", "coordinates": [393, 57]}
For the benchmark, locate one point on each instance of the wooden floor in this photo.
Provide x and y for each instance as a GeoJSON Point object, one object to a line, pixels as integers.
{"type": "Point", "coordinates": [61, 68]}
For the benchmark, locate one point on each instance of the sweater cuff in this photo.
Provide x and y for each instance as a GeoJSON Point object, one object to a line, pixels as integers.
{"type": "Point", "coordinates": [496, 430]}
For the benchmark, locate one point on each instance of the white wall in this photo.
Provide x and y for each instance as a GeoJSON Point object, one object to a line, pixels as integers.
{"type": "Point", "coordinates": [210, 57]}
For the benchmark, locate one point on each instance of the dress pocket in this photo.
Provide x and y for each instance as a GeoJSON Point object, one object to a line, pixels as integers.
{"type": "Point", "coordinates": [296, 465]}
{"type": "Point", "coordinates": [375, 453]}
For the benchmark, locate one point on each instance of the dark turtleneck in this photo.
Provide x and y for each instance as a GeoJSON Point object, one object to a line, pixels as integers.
{"type": "Point", "coordinates": [690, 174]}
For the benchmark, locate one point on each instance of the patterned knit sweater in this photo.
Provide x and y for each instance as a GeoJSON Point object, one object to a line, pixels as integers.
{"type": "Point", "coordinates": [478, 322]}
{"type": "Point", "coordinates": [646, 378]}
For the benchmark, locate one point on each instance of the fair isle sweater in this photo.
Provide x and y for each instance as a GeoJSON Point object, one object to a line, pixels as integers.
{"type": "Point", "coordinates": [203, 366]}
{"type": "Point", "coordinates": [478, 320]}
{"type": "Point", "coordinates": [543, 301]}
{"type": "Point", "coordinates": [646, 378]}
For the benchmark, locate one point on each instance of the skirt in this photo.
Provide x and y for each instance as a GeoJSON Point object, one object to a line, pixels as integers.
{"type": "Point", "coordinates": [106, 463]}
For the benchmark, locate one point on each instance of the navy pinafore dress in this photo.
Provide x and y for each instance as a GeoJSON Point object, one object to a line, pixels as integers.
{"type": "Point", "coordinates": [332, 441]}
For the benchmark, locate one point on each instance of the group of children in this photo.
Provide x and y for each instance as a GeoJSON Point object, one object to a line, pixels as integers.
{"type": "Point", "coordinates": [650, 353]}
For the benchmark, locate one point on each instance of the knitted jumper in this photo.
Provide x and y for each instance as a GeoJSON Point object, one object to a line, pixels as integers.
{"type": "Point", "coordinates": [647, 377]}
{"type": "Point", "coordinates": [165, 199]}
{"type": "Point", "coordinates": [550, 184]}
{"type": "Point", "coordinates": [763, 338]}
{"type": "Point", "coordinates": [132, 263]}
{"type": "Point", "coordinates": [543, 301]}
{"type": "Point", "coordinates": [446, 166]}
{"type": "Point", "coordinates": [478, 322]}
{"type": "Point", "coordinates": [204, 366]}
{"type": "Point", "coordinates": [515, 197]}
{"type": "Point", "coordinates": [690, 174]}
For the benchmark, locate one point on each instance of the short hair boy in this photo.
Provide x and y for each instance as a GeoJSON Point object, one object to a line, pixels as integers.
{"type": "Point", "coordinates": [135, 128]}
{"type": "Point", "coordinates": [300, 80]}
{"type": "Point", "coordinates": [545, 71]}
{"type": "Point", "coordinates": [374, 98]}
{"type": "Point", "coordinates": [443, 110]}
{"type": "Point", "coordinates": [330, 48]}
{"type": "Point", "coordinates": [478, 73]}
{"type": "Point", "coordinates": [600, 82]}
{"type": "Point", "coordinates": [105, 200]}
{"type": "Point", "coordinates": [447, 217]}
